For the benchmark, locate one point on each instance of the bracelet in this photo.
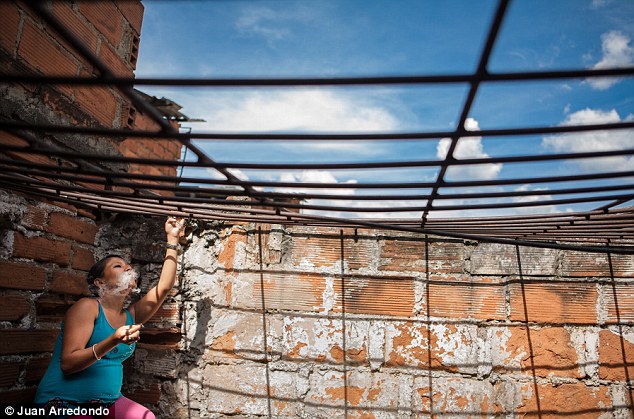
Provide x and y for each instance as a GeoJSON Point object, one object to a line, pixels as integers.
{"type": "Point", "coordinates": [94, 352]}
{"type": "Point", "coordinates": [172, 246]}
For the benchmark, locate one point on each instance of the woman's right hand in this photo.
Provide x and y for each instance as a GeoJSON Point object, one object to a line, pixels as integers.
{"type": "Point", "coordinates": [128, 334]}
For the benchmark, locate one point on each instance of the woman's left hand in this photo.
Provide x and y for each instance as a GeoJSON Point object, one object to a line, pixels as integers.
{"type": "Point", "coordinates": [175, 228]}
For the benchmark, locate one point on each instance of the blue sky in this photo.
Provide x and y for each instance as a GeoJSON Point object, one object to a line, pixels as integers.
{"type": "Point", "coordinates": [298, 38]}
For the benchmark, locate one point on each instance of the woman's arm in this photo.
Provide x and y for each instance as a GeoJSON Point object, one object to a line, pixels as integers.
{"type": "Point", "coordinates": [145, 308]}
{"type": "Point", "coordinates": [78, 327]}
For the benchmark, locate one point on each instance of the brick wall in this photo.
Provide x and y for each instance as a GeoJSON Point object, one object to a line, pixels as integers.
{"type": "Point", "coordinates": [47, 250]}
{"type": "Point", "coordinates": [111, 31]}
{"type": "Point", "coordinates": [47, 247]}
{"type": "Point", "coordinates": [431, 326]}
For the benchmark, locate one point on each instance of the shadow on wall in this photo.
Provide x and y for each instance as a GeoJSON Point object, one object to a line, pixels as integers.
{"type": "Point", "coordinates": [301, 325]}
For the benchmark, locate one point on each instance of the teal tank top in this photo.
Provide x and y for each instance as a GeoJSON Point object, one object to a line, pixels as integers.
{"type": "Point", "coordinates": [99, 382]}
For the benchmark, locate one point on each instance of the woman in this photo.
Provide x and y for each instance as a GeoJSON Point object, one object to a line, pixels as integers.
{"type": "Point", "coordinates": [98, 334]}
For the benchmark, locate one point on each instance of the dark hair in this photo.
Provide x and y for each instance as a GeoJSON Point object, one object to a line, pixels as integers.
{"type": "Point", "coordinates": [97, 271]}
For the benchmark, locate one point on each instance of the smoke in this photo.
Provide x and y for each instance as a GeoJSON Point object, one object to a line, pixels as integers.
{"type": "Point", "coordinates": [123, 285]}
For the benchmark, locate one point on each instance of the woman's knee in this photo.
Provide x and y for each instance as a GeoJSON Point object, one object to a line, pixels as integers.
{"type": "Point", "coordinates": [125, 408]}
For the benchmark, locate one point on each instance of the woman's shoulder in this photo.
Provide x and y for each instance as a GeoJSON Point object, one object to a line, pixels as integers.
{"type": "Point", "coordinates": [85, 306]}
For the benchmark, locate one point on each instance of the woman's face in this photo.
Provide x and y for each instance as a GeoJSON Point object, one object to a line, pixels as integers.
{"type": "Point", "coordinates": [118, 278]}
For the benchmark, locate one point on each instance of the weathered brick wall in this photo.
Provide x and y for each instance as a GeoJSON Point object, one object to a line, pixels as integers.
{"type": "Point", "coordinates": [431, 326]}
{"type": "Point", "coordinates": [46, 251]}
{"type": "Point", "coordinates": [47, 247]}
{"type": "Point", "coordinates": [111, 31]}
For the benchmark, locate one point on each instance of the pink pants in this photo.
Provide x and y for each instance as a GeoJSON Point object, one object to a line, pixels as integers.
{"type": "Point", "coordinates": [125, 408]}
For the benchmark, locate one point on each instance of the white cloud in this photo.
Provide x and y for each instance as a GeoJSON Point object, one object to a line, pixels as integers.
{"type": "Point", "coordinates": [324, 176]}
{"type": "Point", "coordinates": [501, 210]}
{"type": "Point", "coordinates": [596, 4]}
{"type": "Point", "coordinates": [315, 176]}
{"type": "Point", "coordinates": [271, 24]}
{"type": "Point", "coordinates": [595, 141]}
{"type": "Point", "coordinates": [542, 209]}
{"type": "Point", "coordinates": [238, 173]}
{"type": "Point", "coordinates": [216, 175]}
{"type": "Point", "coordinates": [468, 147]}
{"type": "Point", "coordinates": [261, 21]}
{"type": "Point", "coordinates": [302, 110]}
{"type": "Point", "coordinates": [617, 52]}
{"type": "Point", "coordinates": [356, 204]}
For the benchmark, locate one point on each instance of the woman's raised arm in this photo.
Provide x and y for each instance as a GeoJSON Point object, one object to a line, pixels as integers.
{"type": "Point", "coordinates": [145, 308]}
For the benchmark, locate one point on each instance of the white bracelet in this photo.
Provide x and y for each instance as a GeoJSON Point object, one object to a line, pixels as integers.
{"type": "Point", "coordinates": [95, 352]}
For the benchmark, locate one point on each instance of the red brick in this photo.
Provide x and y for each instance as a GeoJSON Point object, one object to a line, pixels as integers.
{"type": "Point", "coordinates": [174, 148]}
{"type": "Point", "coordinates": [416, 345]}
{"type": "Point", "coordinates": [402, 255]}
{"type": "Point", "coordinates": [43, 54]}
{"type": "Point", "coordinates": [25, 395]}
{"type": "Point", "coordinates": [62, 205]}
{"type": "Point", "coordinates": [144, 122]}
{"type": "Point", "coordinates": [9, 373]}
{"type": "Point", "coordinates": [284, 291]}
{"type": "Point", "coordinates": [149, 394]}
{"type": "Point", "coordinates": [305, 292]}
{"type": "Point", "coordinates": [324, 250]}
{"type": "Point", "coordinates": [34, 217]}
{"type": "Point", "coordinates": [552, 352]}
{"type": "Point", "coordinates": [9, 27]}
{"type": "Point", "coordinates": [407, 255]}
{"type": "Point", "coordinates": [133, 12]}
{"type": "Point", "coordinates": [52, 309]}
{"type": "Point", "coordinates": [168, 312]}
{"type": "Point", "coordinates": [99, 102]}
{"type": "Point", "coordinates": [14, 307]}
{"type": "Point", "coordinates": [474, 300]}
{"type": "Point", "coordinates": [106, 18]}
{"type": "Point", "coordinates": [83, 259]}
{"type": "Point", "coordinates": [8, 138]}
{"type": "Point", "coordinates": [315, 339]}
{"type": "Point", "coordinates": [228, 252]}
{"type": "Point", "coordinates": [35, 369]}
{"type": "Point", "coordinates": [584, 264]}
{"type": "Point", "coordinates": [410, 347]}
{"type": "Point", "coordinates": [159, 363]}
{"type": "Point", "coordinates": [5, 139]}
{"type": "Point", "coordinates": [69, 282]}
{"type": "Point", "coordinates": [21, 276]}
{"type": "Point", "coordinates": [500, 259]}
{"type": "Point", "coordinates": [237, 341]}
{"type": "Point", "coordinates": [168, 171]}
{"type": "Point", "coordinates": [157, 338]}
{"type": "Point", "coordinates": [41, 249]}
{"type": "Point", "coordinates": [554, 303]}
{"type": "Point", "coordinates": [570, 400]}
{"type": "Point", "coordinates": [70, 19]}
{"type": "Point", "coordinates": [131, 147]}
{"type": "Point", "coordinates": [616, 357]}
{"type": "Point", "coordinates": [155, 148]}
{"type": "Point", "coordinates": [116, 63]}
{"type": "Point", "coordinates": [72, 227]}
{"type": "Point", "coordinates": [619, 301]}
{"type": "Point", "coordinates": [30, 158]}
{"type": "Point", "coordinates": [380, 296]}
{"type": "Point", "coordinates": [21, 341]}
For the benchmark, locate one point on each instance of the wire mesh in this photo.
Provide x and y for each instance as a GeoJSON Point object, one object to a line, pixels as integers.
{"type": "Point", "coordinates": [603, 218]}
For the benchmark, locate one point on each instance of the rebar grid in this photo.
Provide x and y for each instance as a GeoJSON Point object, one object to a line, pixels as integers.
{"type": "Point", "coordinates": [86, 181]}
